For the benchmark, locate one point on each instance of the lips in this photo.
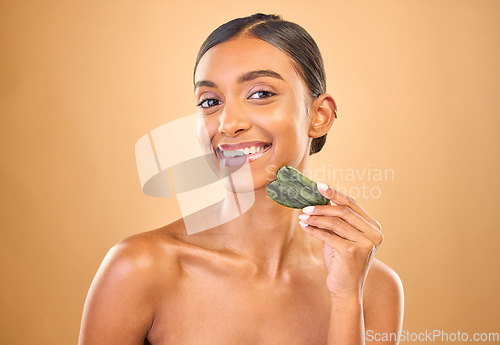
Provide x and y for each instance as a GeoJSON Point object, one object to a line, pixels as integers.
{"type": "Point", "coordinates": [238, 153]}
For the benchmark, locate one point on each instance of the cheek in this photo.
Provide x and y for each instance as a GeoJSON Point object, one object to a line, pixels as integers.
{"type": "Point", "coordinates": [288, 127]}
{"type": "Point", "coordinates": [291, 122]}
{"type": "Point", "coordinates": [206, 129]}
{"type": "Point", "coordinates": [205, 133]}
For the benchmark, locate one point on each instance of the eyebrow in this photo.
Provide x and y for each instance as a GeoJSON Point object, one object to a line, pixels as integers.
{"type": "Point", "coordinates": [243, 78]}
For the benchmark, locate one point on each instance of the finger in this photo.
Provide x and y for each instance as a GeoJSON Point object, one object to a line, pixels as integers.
{"type": "Point", "coordinates": [342, 199]}
{"type": "Point", "coordinates": [347, 214]}
{"type": "Point", "coordinates": [335, 241]}
{"type": "Point", "coordinates": [336, 225]}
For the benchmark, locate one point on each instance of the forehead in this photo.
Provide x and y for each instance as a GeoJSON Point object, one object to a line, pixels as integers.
{"type": "Point", "coordinates": [243, 54]}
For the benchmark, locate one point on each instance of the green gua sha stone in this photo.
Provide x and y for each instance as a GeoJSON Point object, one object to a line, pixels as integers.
{"type": "Point", "coordinates": [294, 189]}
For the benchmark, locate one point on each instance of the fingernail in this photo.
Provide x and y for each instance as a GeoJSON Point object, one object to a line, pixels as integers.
{"type": "Point", "coordinates": [321, 186]}
{"type": "Point", "coordinates": [308, 209]}
{"type": "Point", "coordinates": [303, 216]}
{"type": "Point", "coordinates": [303, 224]}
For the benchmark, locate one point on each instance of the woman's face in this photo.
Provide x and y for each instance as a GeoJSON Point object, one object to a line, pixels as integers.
{"type": "Point", "coordinates": [252, 101]}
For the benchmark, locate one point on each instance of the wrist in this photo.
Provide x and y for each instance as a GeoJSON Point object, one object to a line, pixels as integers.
{"type": "Point", "coordinates": [346, 320]}
{"type": "Point", "coordinates": [353, 298]}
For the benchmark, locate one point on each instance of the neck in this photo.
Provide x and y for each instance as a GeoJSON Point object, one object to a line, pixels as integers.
{"type": "Point", "coordinates": [267, 234]}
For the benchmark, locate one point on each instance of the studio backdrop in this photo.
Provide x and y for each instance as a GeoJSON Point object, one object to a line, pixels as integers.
{"type": "Point", "coordinates": [415, 142]}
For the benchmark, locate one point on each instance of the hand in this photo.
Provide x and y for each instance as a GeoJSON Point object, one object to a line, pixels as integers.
{"type": "Point", "coordinates": [350, 239]}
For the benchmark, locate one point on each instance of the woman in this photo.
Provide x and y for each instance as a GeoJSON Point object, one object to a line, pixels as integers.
{"type": "Point", "coordinates": [273, 275]}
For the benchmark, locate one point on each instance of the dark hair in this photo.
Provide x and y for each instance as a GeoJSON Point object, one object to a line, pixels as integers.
{"type": "Point", "coordinates": [284, 35]}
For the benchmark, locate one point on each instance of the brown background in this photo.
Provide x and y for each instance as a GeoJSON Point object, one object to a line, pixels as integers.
{"type": "Point", "coordinates": [417, 86]}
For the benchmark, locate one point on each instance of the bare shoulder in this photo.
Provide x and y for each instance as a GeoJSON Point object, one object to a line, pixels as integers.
{"type": "Point", "coordinates": [139, 261]}
{"type": "Point", "coordinates": [383, 298]}
{"type": "Point", "coordinates": [382, 280]}
{"type": "Point", "coordinates": [163, 252]}
{"type": "Point", "coordinates": [127, 287]}
{"type": "Point", "coordinates": [153, 251]}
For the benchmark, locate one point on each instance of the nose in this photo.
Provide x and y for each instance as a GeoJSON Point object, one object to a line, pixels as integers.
{"type": "Point", "coordinates": [233, 120]}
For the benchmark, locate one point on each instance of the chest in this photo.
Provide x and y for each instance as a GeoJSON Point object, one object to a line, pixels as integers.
{"type": "Point", "coordinates": [225, 310]}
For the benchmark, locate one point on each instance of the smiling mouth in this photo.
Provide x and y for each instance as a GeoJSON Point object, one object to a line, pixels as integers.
{"type": "Point", "coordinates": [233, 156]}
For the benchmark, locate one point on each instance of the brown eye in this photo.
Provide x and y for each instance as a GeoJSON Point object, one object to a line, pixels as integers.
{"type": "Point", "coordinates": [262, 94]}
{"type": "Point", "coordinates": [207, 103]}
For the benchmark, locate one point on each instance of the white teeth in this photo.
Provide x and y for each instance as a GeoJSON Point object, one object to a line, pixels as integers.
{"type": "Point", "coordinates": [232, 153]}
{"type": "Point", "coordinates": [243, 151]}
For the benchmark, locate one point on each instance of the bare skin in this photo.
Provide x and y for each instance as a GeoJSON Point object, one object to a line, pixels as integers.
{"type": "Point", "coordinates": [261, 278]}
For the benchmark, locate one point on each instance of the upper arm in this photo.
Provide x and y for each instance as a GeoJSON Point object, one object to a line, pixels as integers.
{"type": "Point", "coordinates": [383, 304]}
{"type": "Point", "coordinates": [119, 308]}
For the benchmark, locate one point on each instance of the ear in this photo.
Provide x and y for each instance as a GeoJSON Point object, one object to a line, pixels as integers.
{"type": "Point", "coordinates": [323, 112]}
